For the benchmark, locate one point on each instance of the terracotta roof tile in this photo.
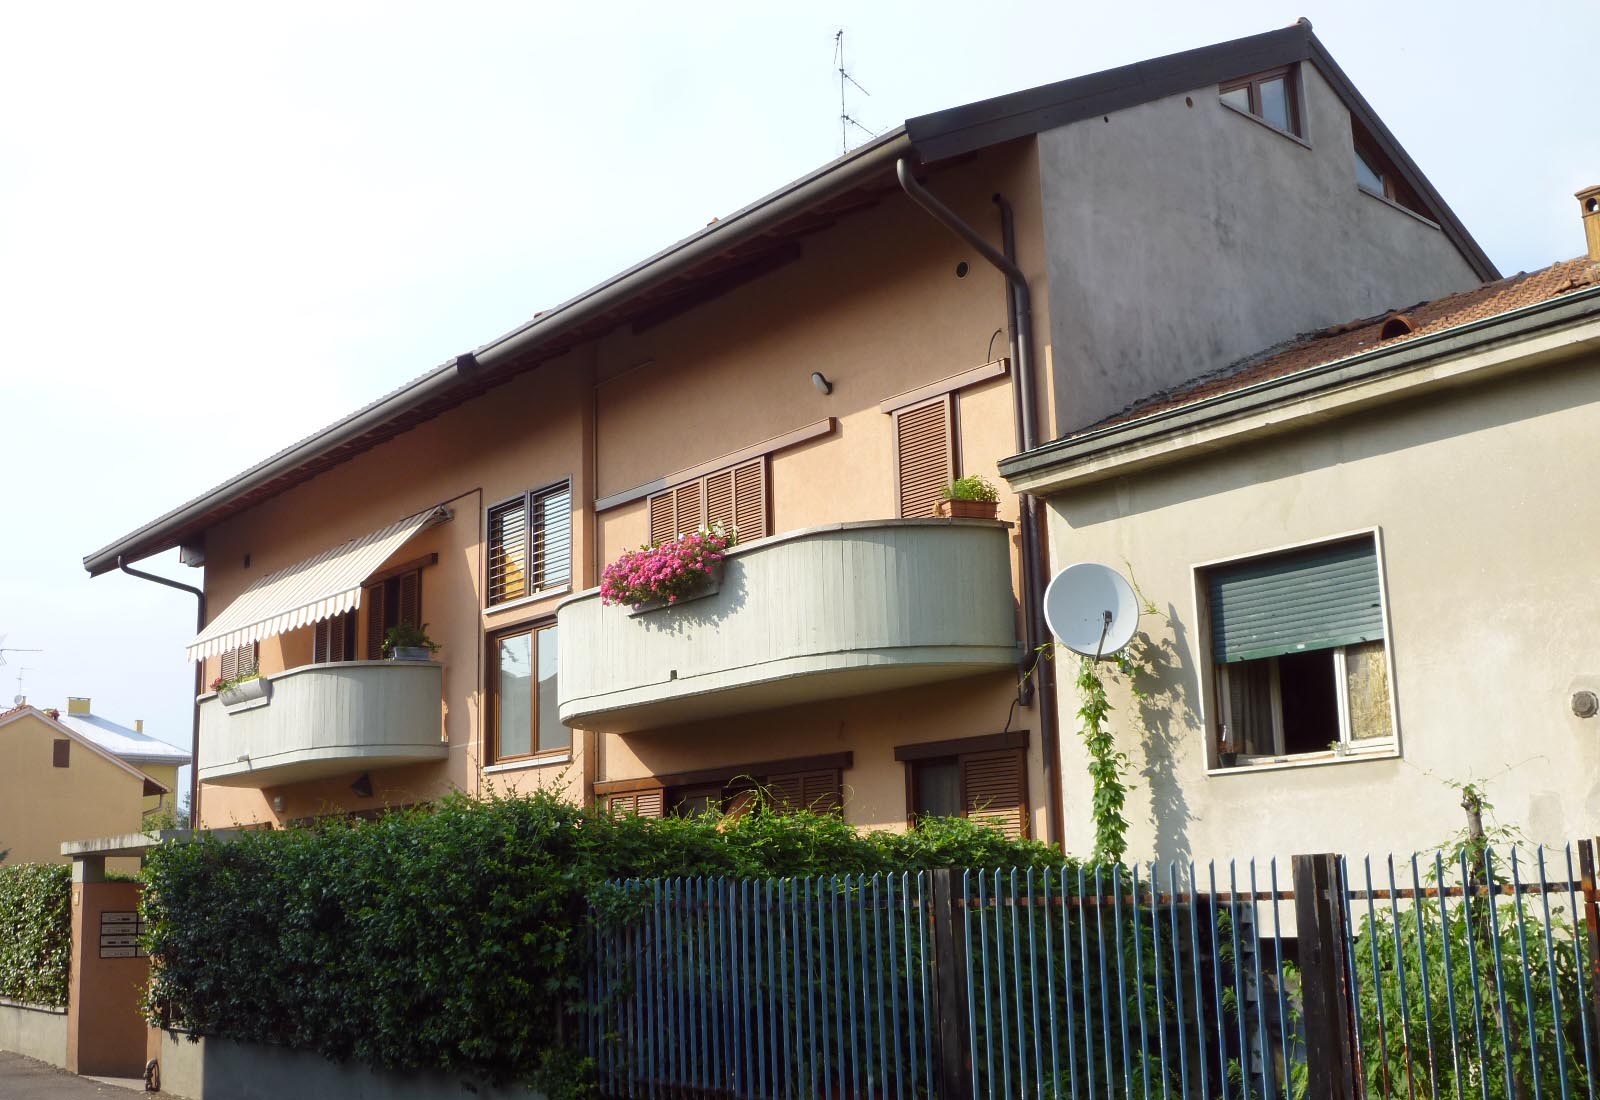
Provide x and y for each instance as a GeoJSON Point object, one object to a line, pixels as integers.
{"type": "Point", "coordinates": [1354, 337]}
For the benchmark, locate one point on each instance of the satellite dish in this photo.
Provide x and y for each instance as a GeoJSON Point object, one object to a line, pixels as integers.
{"type": "Point", "coordinates": [1091, 608]}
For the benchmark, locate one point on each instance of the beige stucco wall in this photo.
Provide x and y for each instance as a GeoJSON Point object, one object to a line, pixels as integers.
{"type": "Point", "coordinates": [167, 776]}
{"type": "Point", "coordinates": [873, 302]}
{"type": "Point", "coordinates": [42, 806]}
{"type": "Point", "coordinates": [1481, 495]}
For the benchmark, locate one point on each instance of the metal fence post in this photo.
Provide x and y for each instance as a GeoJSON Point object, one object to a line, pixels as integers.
{"type": "Point", "coordinates": [949, 919]}
{"type": "Point", "coordinates": [1319, 902]}
{"type": "Point", "coordinates": [1591, 923]}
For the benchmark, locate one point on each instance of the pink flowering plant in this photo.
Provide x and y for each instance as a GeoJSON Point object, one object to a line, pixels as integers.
{"type": "Point", "coordinates": [669, 570]}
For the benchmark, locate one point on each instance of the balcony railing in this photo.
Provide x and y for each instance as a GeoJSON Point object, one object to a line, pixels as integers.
{"type": "Point", "coordinates": [323, 720]}
{"type": "Point", "coordinates": [822, 613]}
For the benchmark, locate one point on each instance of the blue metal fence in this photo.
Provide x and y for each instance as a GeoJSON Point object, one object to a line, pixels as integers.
{"type": "Point", "coordinates": [1466, 979]}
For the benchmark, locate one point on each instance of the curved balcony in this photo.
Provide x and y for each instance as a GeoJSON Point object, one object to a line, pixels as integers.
{"type": "Point", "coordinates": [822, 613]}
{"type": "Point", "coordinates": [322, 720]}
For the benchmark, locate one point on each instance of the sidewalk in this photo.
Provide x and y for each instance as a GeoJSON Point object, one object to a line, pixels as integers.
{"type": "Point", "coordinates": [24, 1079]}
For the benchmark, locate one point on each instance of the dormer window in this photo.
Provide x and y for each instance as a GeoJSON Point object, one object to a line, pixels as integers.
{"type": "Point", "coordinates": [1270, 96]}
{"type": "Point", "coordinates": [1376, 175]}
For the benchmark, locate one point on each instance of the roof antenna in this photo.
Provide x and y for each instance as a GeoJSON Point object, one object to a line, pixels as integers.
{"type": "Point", "coordinates": [4, 649]}
{"type": "Point", "coordinates": [845, 119]}
{"type": "Point", "coordinates": [21, 698]}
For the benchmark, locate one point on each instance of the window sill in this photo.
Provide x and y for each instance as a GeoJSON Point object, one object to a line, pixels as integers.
{"type": "Point", "coordinates": [530, 762]}
{"type": "Point", "coordinates": [1259, 121]}
{"type": "Point", "coordinates": [526, 601]}
{"type": "Point", "coordinates": [1305, 760]}
{"type": "Point", "coordinates": [1387, 201]}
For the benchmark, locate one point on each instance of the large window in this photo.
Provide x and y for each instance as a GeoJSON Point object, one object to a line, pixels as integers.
{"type": "Point", "coordinates": [1300, 655]}
{"type": "Point", "coordinates": [523, 718]}
{"type": "Point", "coordinates": [530, 543]}
{"type": "Point", "coordinates": [1270, 96]}
{"type": "Point", "coordinates": [983, 778]}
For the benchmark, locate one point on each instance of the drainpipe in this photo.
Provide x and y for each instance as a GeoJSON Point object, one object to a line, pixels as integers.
{"type": "Point", "coordinates": [199, 683]}
{"type": "Point", "coordinates": [1020, 325]}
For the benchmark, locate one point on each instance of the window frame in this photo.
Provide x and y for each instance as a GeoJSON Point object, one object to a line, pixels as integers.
{"type": "Point", "coordinates": [1252, 82]}
{"type": "Point", "coordinates": [956, 751]}
{"type": "Point", "coordinates": [1395, 191]}
{"type": "Point", "coordinates": [526, 498]}
{"type": "Point", "coordinates": [1212, 678]}
{"type": "Point", "coordinates": [491, 734]}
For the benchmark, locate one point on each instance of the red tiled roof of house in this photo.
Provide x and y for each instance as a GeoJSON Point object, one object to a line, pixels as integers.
{"type": "Point", "coordinates": [1352, 338]}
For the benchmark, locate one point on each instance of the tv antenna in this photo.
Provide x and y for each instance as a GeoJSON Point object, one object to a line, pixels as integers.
{"type": "Point", "coordinates": [4, 649]}
{"type": "Point", "coordinates": [1092, 609]}
{"type": "Point", "coordinates": [846, 120]}
{"type": "Point", "coordinates": [21, 698]}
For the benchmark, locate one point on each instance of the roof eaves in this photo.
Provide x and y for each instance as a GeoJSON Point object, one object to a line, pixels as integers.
{"type": "Point", "coordinates": [1516, 324]}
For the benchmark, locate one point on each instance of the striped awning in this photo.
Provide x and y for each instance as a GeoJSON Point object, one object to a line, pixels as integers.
{"type": "Point", "coordinates": [309, 591]}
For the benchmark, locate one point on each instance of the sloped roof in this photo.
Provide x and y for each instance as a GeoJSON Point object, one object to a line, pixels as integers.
{"type": "Point", "coordinates": [127, 744]}
{"type": "Point", "coordinates": [1330, 345]}
{"type": "Point", "coordinates": [17, 713]}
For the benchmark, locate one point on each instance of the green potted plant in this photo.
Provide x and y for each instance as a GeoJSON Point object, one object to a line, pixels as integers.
{"type": "Point", "coordinates": [970, 498]}
{"type": "Point", "coordinates": [409, 642]}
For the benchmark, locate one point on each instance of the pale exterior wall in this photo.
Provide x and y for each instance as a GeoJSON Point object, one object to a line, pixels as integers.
{"type": "Point", "coordinates": [167, 776]}
{"type": "Point", "coordinates": [873, 303]}
{"type": "Point", "coordinates": [42, 806]}
{"type": "Point", "coordinates": [1485, 522]}
{"type": "Point", "coordinates": [1183, 238]}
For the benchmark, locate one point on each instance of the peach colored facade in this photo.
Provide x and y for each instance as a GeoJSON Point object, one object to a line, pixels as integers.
{"type": "Point", "coordinates": [875, 304]}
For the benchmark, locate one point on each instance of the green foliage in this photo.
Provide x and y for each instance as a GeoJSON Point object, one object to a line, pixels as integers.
{"type": "Point", "coordinates": [973, 487]}
{"type": "Point", "coordinates": [409, 636]}
{"type": "Point", "coordinates": [35, 932]}
{"type": "Point", "coordinates": [1106, 763]}
{"type": "Point", "coordinates": [456, 938]}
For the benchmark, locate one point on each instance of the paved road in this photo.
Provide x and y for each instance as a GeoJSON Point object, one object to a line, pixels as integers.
{"type": "Point", "coordinates": [24, 1079]}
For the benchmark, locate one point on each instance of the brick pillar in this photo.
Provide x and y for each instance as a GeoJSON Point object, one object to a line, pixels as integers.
{"type": "Point", "coordinates": [106, 1035]}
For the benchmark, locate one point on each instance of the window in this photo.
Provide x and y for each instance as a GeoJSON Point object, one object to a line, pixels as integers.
{"type": "Point", "coordinates": [1376, 175]}
{"type": "Point", "coordinates": [734, 497]}
{"type": "Point", "coordinates": [641, 803]}
{"type": "Point", "coordinates": [1300, 655]}
{"type": "Point", "coordinates": [61, 753]}
{"type": "Point", "coordinates": [1270, 96]}
{"type": "Point", "coordinates": [240, 661]}
{"type": "Point", "coordinates": [334, 639]}
{"type": "Point", "coordinates": [924, 455]}
{"type": "Point", "coordinates": [389, 603]}
{"type": "Point", "coordinates": [813, 783]}
{"type": "Point", "coordinates": [530, 543]}
{"type": "Point", "coordinates": [524, 721]}
{"type": "Point", "coordinates": [983, 778]}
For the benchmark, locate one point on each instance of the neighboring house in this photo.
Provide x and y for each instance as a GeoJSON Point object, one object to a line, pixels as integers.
{"type": "Point", "coordinates": [814, 367]}
{"type": "Point", "coordinates": [57, 785]}
{"type": "Point", "coordinates": [1372, 550]}
{"type": "Point", "coordinates": [157, 759]}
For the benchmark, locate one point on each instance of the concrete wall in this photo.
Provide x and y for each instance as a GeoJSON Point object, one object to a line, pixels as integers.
{"type": "Point", "coordinates": [873, 302]}
{"type": "Point", "coordinates": [217, 1069]}
{"type": "Point", "coordinates": [34, 1031]}
{"type": "Point", "coordinates": [42, 806]}
{"type": "Point", "coordinates": [1480, 495]}
{"type": "Point", "coordinates": [1184, 235]}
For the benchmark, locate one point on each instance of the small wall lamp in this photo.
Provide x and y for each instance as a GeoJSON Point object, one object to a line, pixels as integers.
{"type": "Point", "coordinates": [363, 785]}
{"type": "Point", "coordinates": [819, 380]}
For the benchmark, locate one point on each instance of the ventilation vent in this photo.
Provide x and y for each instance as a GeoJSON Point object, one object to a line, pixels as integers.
{"type": "Point", "coordinates": [1398, 325]}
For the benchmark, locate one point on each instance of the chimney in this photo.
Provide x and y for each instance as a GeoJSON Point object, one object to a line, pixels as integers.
{"type": "Point", "coordinates": [77, 704]}
{"type": "Point", "coordinates": [53, 714]}
{"type": "Point", "coordinates": [1589, 202]}
{"type": "Point", "coordinates": [138, 725]}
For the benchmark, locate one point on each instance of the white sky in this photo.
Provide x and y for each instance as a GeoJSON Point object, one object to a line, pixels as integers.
{"type": "Point", "coordinates": [223, 227]}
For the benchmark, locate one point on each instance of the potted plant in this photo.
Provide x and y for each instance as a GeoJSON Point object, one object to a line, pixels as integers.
{"type": "Point", "coordinates": [1227, 751]}
{"type": "Point", "coordinates": [667, 573]}
{"type": "Point", "coordinates": [970, 498]}
{"type": "Point", "coordinates": [409, 642]}
{"type": "Point", "coordinates": [244, 688]}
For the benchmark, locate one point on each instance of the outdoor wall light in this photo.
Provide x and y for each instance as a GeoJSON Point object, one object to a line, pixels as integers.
{"type": "Point", "coordinates": [363, 785]}
{"type": "Point", "coordinates": [821, 382]}
{"type": "Point", "coordinates": [277, 803]}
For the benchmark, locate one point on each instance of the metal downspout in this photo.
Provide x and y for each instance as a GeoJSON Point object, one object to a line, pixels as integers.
{"type": "Point", "coordinates": [1020, 323]}
{"type": "Point", "coordinates": [199, 683]}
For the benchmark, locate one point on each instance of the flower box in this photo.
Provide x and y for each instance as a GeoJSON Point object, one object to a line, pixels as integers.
{"type": "Point", "coordinates": [256, 691]}
{"type": "Point", "coordinates": [710, 586]}
{"type": "Point", "coordinates": [969, 509]}
{"type": "Point", "coordinates": [667, 573]}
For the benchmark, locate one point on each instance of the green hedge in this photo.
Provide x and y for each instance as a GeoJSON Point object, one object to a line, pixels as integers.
{"type": "Point", "coordinates": [35, 932]}
{"type": "Point", "coordinates": [453, 938]}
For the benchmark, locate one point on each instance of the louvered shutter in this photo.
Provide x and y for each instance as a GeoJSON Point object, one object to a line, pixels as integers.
{"type": "Point", "coordinates": [320, 642]}
{"type": "Point", "coordinates": [641, 803]}
{"type": "Point", "coordinates": [508, 551]}
{"type": "Point", "coordinates": [924, 439]}
{"type": "Point", "coordinates": [552, 543]}
{"type": "Point", "coordinates": [410, 599]}
{"type": "Point", "coordinates": [230, 663]}
{"type": "Point", "coordinates": [992, 785]}
{"type": "Point", "coordinates": [661, 522]}
{"type": "Point", "coordinates": [820, 792]}
{"type": "Point", "coordinates": [687, 513]}
{"type": "Point", "coordinates": [750, 500]}
{"type": "Point", "coordinates": [375, 628]}
{"type": "Point", "coordinates": [786, 792]}
{"type": "Point", "coordinates": [720, 499]}
{"type": "Point", "coordinates": [238, 661]}
{"type": "Point", "coordinates": [1319, 598]}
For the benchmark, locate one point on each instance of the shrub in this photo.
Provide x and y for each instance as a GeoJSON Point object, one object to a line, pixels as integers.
{"type": "Point", "coordinates": [667, 571]}
{"type": "Point", "coordinates": [974, 487]}
{"type": "Point", "coordinates": [35, 932]}
{"type": "Point", "coordinates": [456, 937]}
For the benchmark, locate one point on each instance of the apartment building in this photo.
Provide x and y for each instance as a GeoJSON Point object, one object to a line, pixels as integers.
{"type": "Point", "coordinates": [814, 368]}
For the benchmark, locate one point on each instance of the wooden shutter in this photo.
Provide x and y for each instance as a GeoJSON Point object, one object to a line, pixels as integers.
{"type": "Point", "coordinates": [230, 664]}
{"type": "Point", "coordinates": [508, 551]}
{"type": "Point", "coordinates": [733, 498]}
{"type": "Point", "coordinates": [61, 754]}
{"type": "Point", "coordinates": [925, 455]}
{"type": "Point", "coordinates": [785, 792]}
{"type": "Point", "coordinates": [239, 660]}
{"type": "Point", "coordinates": [719, 499]}
{"type": "Point", "coordinates": [750, 500]}
{"type": "Point", "coordinates": [688, 515]}
{"type": "Point", "coordinates": [992, 786]}
{"type": "Point", "coordinates": [818, 791]}
{"type": "Point", "coordinates": [375, 628]}
{"type": "Point", "coordinates": [661, 518]}
{"type": "Point", "coordinates": [641, 803]}
{"type": "Point", "coordinates": [410, 599]}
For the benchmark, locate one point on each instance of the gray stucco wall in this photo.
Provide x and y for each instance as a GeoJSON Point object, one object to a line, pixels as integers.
{"type": "Point", "coordinates": [36, 1032]}
{"type": "Point", "coordinates": [1183, 238]}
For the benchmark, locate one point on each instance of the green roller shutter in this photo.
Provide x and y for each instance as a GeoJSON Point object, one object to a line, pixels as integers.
{"type": "Point", "coordinates": [1309, 599]}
